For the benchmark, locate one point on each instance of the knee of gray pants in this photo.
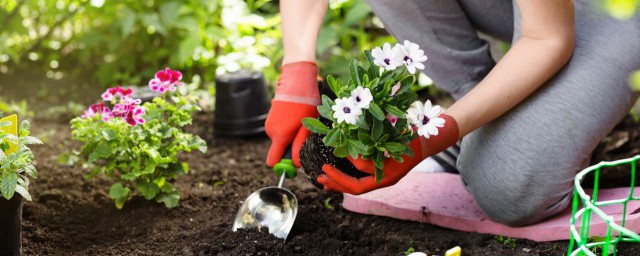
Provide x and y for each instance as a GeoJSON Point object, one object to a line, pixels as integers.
{"type": "Point", "coordinates": [512, 207]}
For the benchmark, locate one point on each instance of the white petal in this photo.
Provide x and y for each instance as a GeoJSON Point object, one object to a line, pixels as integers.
{"type": "Point", "coordinates": [433, 130]}
{"type": "Point", "coordinates": [437, 122]}
{"type": "Point", "coordinates": [418, 65]}
{"type": "Point", "coordinates": [427, 108]}
{"type": "Point", "coordinates": [411, 68]}
{"type": "Point", "coordinates": [377, 53]}
{"type": "Point", "coordinates": [435, 111]}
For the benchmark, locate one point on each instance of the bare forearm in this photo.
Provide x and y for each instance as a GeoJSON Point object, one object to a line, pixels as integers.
{"type": "Point", "coordinates": [301, 21]}
{"type": "Point", "coordinates": [525, 68]}
{"type": "Point", "coordinates": [545, 46]}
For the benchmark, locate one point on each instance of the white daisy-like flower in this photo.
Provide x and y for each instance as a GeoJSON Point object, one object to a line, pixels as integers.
{"type": "Point", "coordinates": [346, 110]}
{"type": "Point", "coordinates": [386, 57]}
{"type": "Point", "coordinates": [411, 55]}
{"type": "Point", "coordinates": [362, 96]}
{"type": "Point", "coordinates": [425, 117]}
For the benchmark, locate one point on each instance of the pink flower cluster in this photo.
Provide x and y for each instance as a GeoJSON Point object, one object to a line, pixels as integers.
{"type": "Point", "coordinates": [125, 107]}
{"type": "Point", "coordinates": [166, 80]}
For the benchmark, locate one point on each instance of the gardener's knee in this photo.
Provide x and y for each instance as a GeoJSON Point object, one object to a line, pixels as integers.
{"type": "Point", "coordinates": [516, 198]}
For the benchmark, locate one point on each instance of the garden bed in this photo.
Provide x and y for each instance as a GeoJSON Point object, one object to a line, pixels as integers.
{"type": "Point", "coordinates": [74, 216]}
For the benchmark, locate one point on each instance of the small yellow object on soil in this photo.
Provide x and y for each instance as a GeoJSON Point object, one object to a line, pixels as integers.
{"type": "Point", "coordinates": [11, 129]}
{"type": "Point", "coordinates": [455, 251]}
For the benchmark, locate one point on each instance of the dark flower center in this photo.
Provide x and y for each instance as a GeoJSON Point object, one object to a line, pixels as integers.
{"type": "Point", "coordinates": [358, 98]}
{"type": "Point", "coordinates": [387, 61]}
{"type": "Point", "coordinates": [408, 59]}
{"type": "Point", "coordinates": [346, 110]}
{"type": "Point", "coordinates": [425, 120]}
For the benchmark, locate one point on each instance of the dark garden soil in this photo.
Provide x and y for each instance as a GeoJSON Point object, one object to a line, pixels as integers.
{"type": "Point", "coordinates": [71, 215]}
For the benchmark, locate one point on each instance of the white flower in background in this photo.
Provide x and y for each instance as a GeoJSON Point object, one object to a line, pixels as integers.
{"type": "Point", "coordinates": [346, 110]}
{"type": "Point", "coordinates": [425, 118]}
{"type": "Point", "coordinates": [386, 57]}
{"type": "Point", "coordinates": [411, 55]}
{"type": "Point", "coordinates": [362, 97]}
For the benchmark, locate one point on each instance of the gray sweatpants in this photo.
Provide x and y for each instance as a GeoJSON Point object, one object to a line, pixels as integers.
{"type": "Point", "coordinates": [520, 167]}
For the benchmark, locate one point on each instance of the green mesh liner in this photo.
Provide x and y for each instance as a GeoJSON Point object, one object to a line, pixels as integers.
{"type": "Point", "coordinates": [616, 232]}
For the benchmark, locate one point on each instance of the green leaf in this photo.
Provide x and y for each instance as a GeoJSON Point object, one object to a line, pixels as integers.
{"type": "Point", "coordinates": [332, 138]}
{"type": "Point", "coordinates": [365, 138]}
{"type": "Point", "coordinates": [108, 134]}
{"type": "Point", "coordinates": [341, 151]}
{"type": "Point", "coordinates": [376, 111]}
{"type": "Point", "coordinates": [199, 144]}
{"type": "Point", "coordinates": [8, 184]}
{"type": "Point", "coordinates": [406, 84]}
{"type": "Point", "coordinates": [23, 192]}
{"type": "Point", "coordinates": [361, 147]}
{"type": "Point", "coordinates": [327, 37]}
{"type": "Point", "coordinates": [127, 22]}
{"type": "Point", "coordinates": [119, 193]}
{"type": "Point", "coordinates": [353, 70]}
{"type": "Point", "coordinates": [29, 140]}
{"type": "Point", "coordinates": [170, 200]}
{"type": "Point", "coordinates": [333, 85]}
{"type": "Point", "coordinates": [169, 13]}
{"type": "Point", "coordinates": [362, 123]}
{"type": "Point", "coordinates": [314, 125]}
{"type": "Point", "coordinates": [148, 190]}
{"type": "Point", "coordinates": [394, 110]}
{"type": "Point", "coordinates": [358, 11]}
{"type": "Point", "coordinates": [325, 112]}
{"type": "Point", "coordinates": [25, 128]}
{"type": "Point", "coordinates": [394, 146]}
{"type": "Point", "coordinates": [376, 131]}
{"type": "Point", "coordinates": [100, 152]}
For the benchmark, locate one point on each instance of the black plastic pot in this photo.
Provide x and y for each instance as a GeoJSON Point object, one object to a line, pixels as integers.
{"type": "Point", "coordinates": [242, 104]}
{"type": "Point", "coordinates": [11, 226]}
{"type": "Point", "coordinates": [314, 154]}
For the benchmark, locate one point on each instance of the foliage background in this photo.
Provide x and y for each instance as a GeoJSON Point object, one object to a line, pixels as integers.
{"type": "Point", "coordinates": [100, 43]}
{"type": "Point", "coordinates": [106, 42]}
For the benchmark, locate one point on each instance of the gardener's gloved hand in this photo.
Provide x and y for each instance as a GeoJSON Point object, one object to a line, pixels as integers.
{"type": "Point", "coordinates": [336, 180]}
{"type": "Point", "coordinates": [296, 97]}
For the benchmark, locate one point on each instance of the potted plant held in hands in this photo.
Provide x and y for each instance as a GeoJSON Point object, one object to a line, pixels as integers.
{"type": "Point", "coordinates": [138, 145]}
{"type": "Point", "coordinates": [16, 166]}
{"type": "Point", "coordinates": [374, 115]}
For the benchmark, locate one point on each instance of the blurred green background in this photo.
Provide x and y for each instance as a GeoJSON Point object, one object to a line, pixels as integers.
{"type": "Point", "coordinates": [107, 42]}
{"type": "Point", "coordinates": [56, 49]}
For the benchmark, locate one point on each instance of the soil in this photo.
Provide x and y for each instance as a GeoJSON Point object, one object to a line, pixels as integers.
{"type": "Point", "coordinates": [71, 215]}
{"type": "Point", "coordinates": [314, 154]}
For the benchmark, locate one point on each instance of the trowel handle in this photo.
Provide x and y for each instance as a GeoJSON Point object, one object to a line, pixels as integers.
{"type": "Point", "coordinates": [286, 166]}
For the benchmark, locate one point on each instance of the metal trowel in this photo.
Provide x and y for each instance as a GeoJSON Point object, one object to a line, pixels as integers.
{"type": "Point", "coordinates": [272, 207]}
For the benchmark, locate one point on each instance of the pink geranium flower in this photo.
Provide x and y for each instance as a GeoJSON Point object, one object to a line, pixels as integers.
{"type": "Point", "coordinates": [98, 108]}
{"type": "Point", "coordinates": [166, 80]}
{"type": "Point", "coordinates": [134, 117]}
{"type": "Point", "coordinates": [113, 93]}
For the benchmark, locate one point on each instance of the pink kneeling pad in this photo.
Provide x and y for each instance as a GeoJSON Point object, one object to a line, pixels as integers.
{"type": "Point", "coordinates": [440, 199]}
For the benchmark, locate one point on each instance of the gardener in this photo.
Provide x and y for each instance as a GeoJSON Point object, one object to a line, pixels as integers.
{"type": "Point", "coordinates": [529, 122]}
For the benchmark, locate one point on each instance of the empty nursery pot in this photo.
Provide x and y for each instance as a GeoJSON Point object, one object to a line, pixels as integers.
{"type": "Point", "coordinates": [11, 226]}
{"type": "Point", "coordinates": [242, 104]}
{"type": "Point", "coordinates": [314, 154]}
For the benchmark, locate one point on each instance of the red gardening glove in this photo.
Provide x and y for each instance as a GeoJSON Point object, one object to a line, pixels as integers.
{"type": "Point", "coordinates": [336, 180]}
{"type": "Point", "coordinates": [296, 97]}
